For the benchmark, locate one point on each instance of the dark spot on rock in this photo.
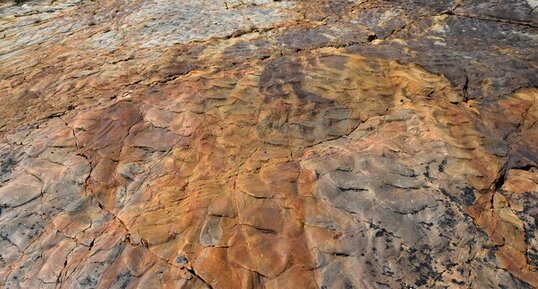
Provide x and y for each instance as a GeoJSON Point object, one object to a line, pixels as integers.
{"type": "Point", "coordinates": [181, 260]}
{"type": "Point", "coordinates": [421, 281]}
{"type": "Point", "coordinates": [533, 259]}
{"type": "Point", "coordinates": [89, 281]}
{"type": "Point", "coordinates": [6, 167]}
{"type": "Point", "coordinates": [490, 257]}
{"type": "Point", "coordinates": [450, 196]}
{"type": "Point", "coordinates": [123, 280]}
{"type": "Point", "coordinates": [427, 172]}
{"type": "Point", "coordinates": [468, 196]}
{"type": "Point", "coordinates": [442, 166]}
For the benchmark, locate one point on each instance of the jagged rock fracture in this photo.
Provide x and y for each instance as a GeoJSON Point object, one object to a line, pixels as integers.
{"type": "Point", "coordinates": [269, 144]}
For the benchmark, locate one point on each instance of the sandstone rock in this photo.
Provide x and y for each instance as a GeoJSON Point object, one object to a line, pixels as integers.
{"type": "Point", "coordinates": [268, 144]}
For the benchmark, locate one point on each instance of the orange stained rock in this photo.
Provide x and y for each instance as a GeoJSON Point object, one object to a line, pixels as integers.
{"type": "Point", "coordinates": [318, 170]}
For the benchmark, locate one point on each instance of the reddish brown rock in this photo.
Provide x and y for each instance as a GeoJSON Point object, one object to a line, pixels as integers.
{"type": "Point", "coordinates": [268, 144]}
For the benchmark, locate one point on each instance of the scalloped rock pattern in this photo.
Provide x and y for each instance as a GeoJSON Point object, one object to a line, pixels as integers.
{"type": "Point", "coordinates": [269, 144]}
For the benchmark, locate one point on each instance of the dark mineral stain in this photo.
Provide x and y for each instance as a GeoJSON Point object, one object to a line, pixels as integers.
{"type": "Point", "coordinates": [442, 166]}
{"type": "Point", "coordinates": [7, 165]}
{"type": "Point", "coordinates": [468, 196]}
{"type": "Point", "coordinates": [181, 260]}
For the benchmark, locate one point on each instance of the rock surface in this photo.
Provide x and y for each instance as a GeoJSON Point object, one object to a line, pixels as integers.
{"type": "Point", "coordinates": [269, 144]}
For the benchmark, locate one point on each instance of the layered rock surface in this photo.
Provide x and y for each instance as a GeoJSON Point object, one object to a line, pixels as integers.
{"type": "Point", "coordinates": [269, 144]}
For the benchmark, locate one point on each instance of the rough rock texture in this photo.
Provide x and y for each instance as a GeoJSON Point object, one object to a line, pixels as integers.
{"type": "Point", "coordinates": [269, 144]}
